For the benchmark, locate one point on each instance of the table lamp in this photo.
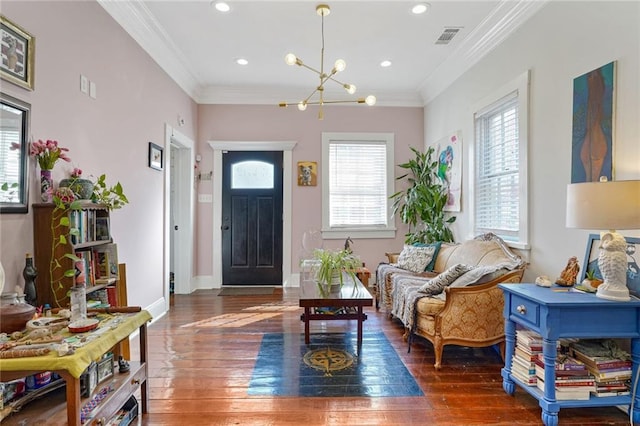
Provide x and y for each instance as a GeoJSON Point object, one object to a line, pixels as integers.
{"type": "Point", "coordinates": [607, 205]}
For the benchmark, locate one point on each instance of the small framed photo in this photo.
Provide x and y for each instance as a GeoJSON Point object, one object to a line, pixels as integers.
{"type": "Point", "coordinates": [105, 367]}
{"type": "Point", "coordinates": [633, 269]}
{"type": "Point", "coordinates": [156, 156]}
{"type": "Point", "coordinates": [307, 173]}
{"type": "Point", "coordinates": [18, 52]}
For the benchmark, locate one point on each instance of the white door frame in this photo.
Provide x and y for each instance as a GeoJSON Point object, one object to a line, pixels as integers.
{"type": "Point", "coordinates": [287, 179]}
{"type": "Point", "coordinates": [184, 211]}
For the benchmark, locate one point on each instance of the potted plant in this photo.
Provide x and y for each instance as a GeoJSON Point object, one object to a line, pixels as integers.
{"type": "Point", "coordinates": [331, 267]}
{"type": "Point", "coordinates": [111, 196]}
{"type": "Point", "coordinates": [590, 280]}
{"type": "Point", "coordinates": [421, 205]}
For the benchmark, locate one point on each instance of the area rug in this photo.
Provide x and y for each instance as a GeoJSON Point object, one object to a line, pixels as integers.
{"type": "Point", "coordinates": [328, 366]}
{"type": "Point", "coordinates": [245, 291]}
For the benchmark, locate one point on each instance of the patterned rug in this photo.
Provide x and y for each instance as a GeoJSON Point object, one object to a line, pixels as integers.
{"type": "Point", "coordinates": [328, 366]}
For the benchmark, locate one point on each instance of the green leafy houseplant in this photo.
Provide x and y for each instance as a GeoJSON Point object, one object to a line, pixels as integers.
{"type": "Point", "coordinates": [64, 201]}
{"type": "Point", "coordinates": [111, 196]}
{"type": "Point", "coordinates": [331, 265]}
{"type": "Point", "coordinates": [421, 205]}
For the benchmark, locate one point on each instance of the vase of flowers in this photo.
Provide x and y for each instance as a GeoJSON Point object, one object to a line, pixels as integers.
{"type": "Point", "coordinates": [82, 188]}
{"type": "Point", "coordinates": [47, 153]}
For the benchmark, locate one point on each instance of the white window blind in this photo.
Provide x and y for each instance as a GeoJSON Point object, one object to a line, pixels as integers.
{"type": "Point", "coordinates": [497, 184]}
{"type": "Point", "coordinates": [358, 186]}
{"type": "Point", "coordinates": [357, 178]}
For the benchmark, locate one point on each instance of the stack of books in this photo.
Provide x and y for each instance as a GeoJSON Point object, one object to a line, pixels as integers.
{"type": "Point", "coordinates": [572, 378]}
{"type": "Point", "coordinates": [528, 346]}
{"type": "Point", "coordinates": [612, 375]}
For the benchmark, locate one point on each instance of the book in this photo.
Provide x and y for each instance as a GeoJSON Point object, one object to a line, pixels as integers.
{"type": "Point", "coordinates": [586, 351]}
{"type": "Point", "coordinates": [107, 260]}
{"type": "Point", "coordinates": [563, 363]}
{"type": "Point", "coordinates": [582, 380]}
{"type": "Point", "coordinates": [102, 229]}
{"type": "Point", "coordinates": [563, 394]}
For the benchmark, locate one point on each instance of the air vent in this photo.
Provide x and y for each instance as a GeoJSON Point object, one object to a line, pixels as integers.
{"type": "Point", "coordinates": [447, 35]}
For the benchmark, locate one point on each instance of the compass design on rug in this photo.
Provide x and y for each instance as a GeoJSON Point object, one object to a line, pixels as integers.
{"type": "Point", "coordinates": [328, 360]}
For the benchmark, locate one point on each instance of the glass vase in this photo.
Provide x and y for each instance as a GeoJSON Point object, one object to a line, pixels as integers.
{"type": "Point", "coordinates": [46, 186]}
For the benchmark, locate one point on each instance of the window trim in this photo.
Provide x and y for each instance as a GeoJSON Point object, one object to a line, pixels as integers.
{"type": "Point", "coordinates": [521, 85]}
{"type": "Point", "coordinates": [360, 232]}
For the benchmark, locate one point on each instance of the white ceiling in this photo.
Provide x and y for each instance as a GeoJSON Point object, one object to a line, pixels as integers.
{"type": "Point", "coordinates": [197, 45]}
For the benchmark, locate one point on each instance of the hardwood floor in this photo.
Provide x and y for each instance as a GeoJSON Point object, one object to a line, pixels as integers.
{"type": "Point", "coordinates": [199, 374]}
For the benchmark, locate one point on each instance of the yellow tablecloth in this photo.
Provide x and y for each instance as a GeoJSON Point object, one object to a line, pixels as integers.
{"type": "Point", "coordinates": [75, 364]}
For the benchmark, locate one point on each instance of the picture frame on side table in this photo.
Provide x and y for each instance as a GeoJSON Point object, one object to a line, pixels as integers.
{"type": "Point", "coordinates": [156, 156]}
{"type": "Point", "coordinates": [633, 268]}
{"type": "Point", "coordinates": [18, 53]}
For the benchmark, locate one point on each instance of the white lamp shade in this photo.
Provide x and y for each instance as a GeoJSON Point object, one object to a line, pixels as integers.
{"type": "Point", "coordinates": [604, 205]}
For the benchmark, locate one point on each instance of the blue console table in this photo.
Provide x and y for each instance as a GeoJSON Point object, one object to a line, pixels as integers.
{"type": "Point", "coordinates": [566, 314]}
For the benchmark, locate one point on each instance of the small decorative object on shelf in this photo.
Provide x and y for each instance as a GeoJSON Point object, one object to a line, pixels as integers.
{"type": "Point", "coordinates": [82, 188]}
{"type": "Point", "coordinates": [47, 153]}
{"type": "Point", "coordinates": [568, 276]}
{"type": "Point", "coordinates": [29, 273]}
{"type": "Point", "coordinates": [46, 186]}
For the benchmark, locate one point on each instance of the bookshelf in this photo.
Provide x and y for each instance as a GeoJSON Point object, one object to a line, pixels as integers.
{"type": "Point", "coordinates": [91, 242]}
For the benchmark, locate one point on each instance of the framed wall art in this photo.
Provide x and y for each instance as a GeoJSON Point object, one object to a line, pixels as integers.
{"type": "Point", "coordinates": [593, 119]}
{"type": "Point", "coordinates": [156, 156]}
{"type": "Point", "coordinates": [18, 53]}
{"type": "Point", "coordinates": [633, 270]}
{"type": "Point", "coordinates": [449, 151]}
{"type": "Point", "coordinates": [307, 173]}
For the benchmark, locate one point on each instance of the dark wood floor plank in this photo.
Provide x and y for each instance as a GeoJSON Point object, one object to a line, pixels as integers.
{"type": "Point", "coordinates": [200, 374]}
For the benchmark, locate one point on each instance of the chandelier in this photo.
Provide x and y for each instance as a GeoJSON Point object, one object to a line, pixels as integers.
{"type": "Point", "coordinates": [291, 59]}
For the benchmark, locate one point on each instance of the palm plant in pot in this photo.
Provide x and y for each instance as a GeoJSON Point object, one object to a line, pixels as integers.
{"type": "Point", "coordinates": [331, 267]}
{"type": "Point", "coordinates": [421, 205]}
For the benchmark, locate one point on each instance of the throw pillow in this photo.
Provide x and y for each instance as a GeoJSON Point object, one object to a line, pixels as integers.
{"type": "Point", "coordinates": [436, 246]}
{"type": "Point", "coordinates": [415, 259]}
{"type": "Point", "coordinates": [437, 284]}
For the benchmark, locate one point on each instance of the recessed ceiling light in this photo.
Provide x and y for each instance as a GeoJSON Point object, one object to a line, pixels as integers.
{"type": "Point", "coordinates": [420, 8]}
{"type": "Point", "coordinates": [241, 61]}
{"type": "Point", "coordinates": [221, 6]}
{"type": "Point", "coordinates": [385, 63]}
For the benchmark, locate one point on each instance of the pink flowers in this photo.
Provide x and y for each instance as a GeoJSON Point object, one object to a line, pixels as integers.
{"type": "Point", "coordinates": [65, 195]}
{"type": "Point", "coordinates": [48, 153]}
{"type": "Point", "coordinates": [76, 173]}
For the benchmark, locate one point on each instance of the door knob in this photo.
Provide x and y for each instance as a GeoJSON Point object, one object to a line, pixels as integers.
{"type": "Point", "coordinates": [225, 227]}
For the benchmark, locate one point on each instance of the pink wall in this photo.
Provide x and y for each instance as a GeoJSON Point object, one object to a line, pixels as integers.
{"type": "Point", "coordinates": [271, 123]}
{"type": "Point", "coordinates": [110, 134]}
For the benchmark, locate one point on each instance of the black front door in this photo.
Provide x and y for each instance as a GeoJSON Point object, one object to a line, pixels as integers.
{"type": "Point", "coordinates": [252, 218]}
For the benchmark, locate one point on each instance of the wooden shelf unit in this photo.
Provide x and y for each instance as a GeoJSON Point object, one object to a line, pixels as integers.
{"type": "Point", "coordinates": [46, 232]}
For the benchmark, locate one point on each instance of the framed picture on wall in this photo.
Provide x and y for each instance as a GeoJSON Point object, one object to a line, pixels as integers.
{"type": "Point", "coordinates": [155, 156]}
{"type": "Point", "coordinates": [593, 120]}
{"type": "Point", "coordinates": [307, 173]}
{"type": "Point", "coordinates": [18, 51]}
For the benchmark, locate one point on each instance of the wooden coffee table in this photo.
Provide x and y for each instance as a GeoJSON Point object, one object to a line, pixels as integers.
{"type": "Point", "coordinates": [353, 297]}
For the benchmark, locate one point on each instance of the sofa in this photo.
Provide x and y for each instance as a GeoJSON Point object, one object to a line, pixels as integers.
{"type": "Point", "coordinates": [455, 301]}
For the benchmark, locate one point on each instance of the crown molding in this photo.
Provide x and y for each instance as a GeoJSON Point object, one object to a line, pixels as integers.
{"type": "Point", "coordinates": [136, 19]}
{"type": "Point", "coordinates": [505, 19]}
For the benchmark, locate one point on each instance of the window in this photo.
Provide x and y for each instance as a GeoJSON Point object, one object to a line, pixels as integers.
{"type": "Point", "coordinates": [357, 179]}
{"type": "Point", "coordinates": [500, 164]}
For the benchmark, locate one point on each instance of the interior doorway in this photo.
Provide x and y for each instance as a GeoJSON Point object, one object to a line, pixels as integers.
{"type": "Point", "coordinates": [219, 147]}
{"type": "Point", "coordinates": [179, 213]}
